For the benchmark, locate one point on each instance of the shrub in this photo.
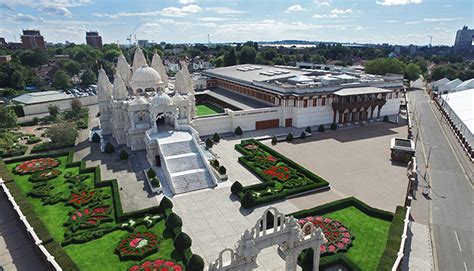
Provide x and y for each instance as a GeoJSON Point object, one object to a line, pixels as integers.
{"type": "Point", "coordinates": [123, 155]}
{"type": "Point", "coordinates": [33, 140]}
{"type": "Point", "coordinates": [289, 137]}
{"type": "Point", "coordinates": [321, 128]}
{"type": "Point", "coordinates": [274, 140]}
{"type": "Point", "coordinates": [307, 261]}
{"type": "Point", "coordinates": [109, 148]}
{"type": "Point", "coordinates": [95, 138]}
{"type": "Point", "coordinates": [222, 170]}
{"type": "Point", "coordinates": [155, 182]}
{"type": "Point", "coordinates": [173, 221]}
{"type": "Point", "coordinates": [247, 200]}
{"type": "Point", "coordinates": [209, 143]}
{"type": "Point", "coordinates": [195, 263]}
{"type": "Point", "coordinates": [165, 204]}
{"type": "Point", "coordinates": [215, 163]}
{"type": "Point", "coordinates": [308, 130]}
{"type": "Point", "coordinates": [303, 135]}
{"type": "Point", "coordinates": [151, 173]}
{"type": "Point", "coordinates": [334, 126]}
{"type": "Point", "coordinates": [216, 138]}
{"type": "Point", "coordinates": [238, 131]}
{"type": "Point", "coordinates": [236, 188]}
{"type": "Point", "coordinates": [385, 118]}
{"type": "Point", "coordinates": [182, 241]}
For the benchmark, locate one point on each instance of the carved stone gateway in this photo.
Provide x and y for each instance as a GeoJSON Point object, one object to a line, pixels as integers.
{"type": "Point", "coordinates": [282, 231]}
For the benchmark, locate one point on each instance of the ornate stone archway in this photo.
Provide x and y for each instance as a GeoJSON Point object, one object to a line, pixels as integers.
{"type": "Point", "coordinates": [284, 232]}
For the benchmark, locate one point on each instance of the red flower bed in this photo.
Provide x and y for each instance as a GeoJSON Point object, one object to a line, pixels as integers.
{"type": "Point", "coordinates": [282, 173]}
{"type": "Point", "coordinates": [137, 246]}
{"type": "Point", "coordinates": [160, 265]}
{"type": "Point", "coordinates": [82, 198]}
{"type": "Point", "coordinates": [338, 237]}
{"type": "Point", "coordinates": [44, 175]}
{"type": "Point", "coordinates": [36, 165]}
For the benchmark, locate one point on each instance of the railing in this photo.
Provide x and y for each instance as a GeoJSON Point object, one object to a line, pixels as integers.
{"type": "Point", "coordinates": [195, 137]}
{"type": "Point", "coordinates": [38, 242]}
{"type": "Point", "coordinates": [402, 244]}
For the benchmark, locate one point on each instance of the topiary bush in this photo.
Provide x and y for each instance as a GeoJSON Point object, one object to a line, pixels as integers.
{"type": "Point", "coordinates": [289, 137]}
{"type": "Point", "coordinates": [123, 155]}
{"type": "Point", "coordinates": [209, 143]}
{"type": "Point", "coordinates": [195, 263]}
{"type": "Point", "coordinates": [385, 118]}
{"type": "Point", "coordinates": [173, 221]}
{"type": "Point", "coordinates": [334, 126]}
{"type": "Point", "coordinates": [109, 148]}
{"type": "Point", "coordinates": [182, 242]}
{"type": "Point", "coordinates": [308, 130]}
{"type": "Point", "coordinates": [247, 200]}
{"type": "Point", "coordinates": [33, 140]}
{"type": "Point", "coordinates": [216, 138]}
{"type": "Point", "coordinates": [303, 135]}
{"type": "Point", "coordinates": [321, 128]}
{"type": "Point", "coordinates": [151, 174]}
{"type": "Point", "coordinates": [222, 170]}
{"type": "Point", "coordinates": [274, 140]}
{"type": "Point", "coordinates": [165, 204]}
{"type": "Point", "coordinates": [238, 131]}
{"type": "Point", "coordinates": [95, 138]}
{"type": "Point", "coordinates": [236, 188]}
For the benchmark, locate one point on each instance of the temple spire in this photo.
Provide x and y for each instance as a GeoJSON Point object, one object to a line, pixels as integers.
{"type": "Point", "coordinates": [138, 59]}
{"type": "Point", "coordinates": [124, 69]}
{"type": "Point", "coordinates": [157, 64]}
{"type": "Point", "coordinates": [119, 90]}
{"type": "Point", "coordinates": [104, 87]}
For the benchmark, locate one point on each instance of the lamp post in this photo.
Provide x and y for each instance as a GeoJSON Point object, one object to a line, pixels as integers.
{"type": "Point", "coordinates": [428, 159]}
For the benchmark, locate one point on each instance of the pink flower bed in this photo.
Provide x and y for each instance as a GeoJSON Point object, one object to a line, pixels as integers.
{"type": "Point", "coordinates": [161, 265]}
{"type": "Point", "coordinates": [36, 165]}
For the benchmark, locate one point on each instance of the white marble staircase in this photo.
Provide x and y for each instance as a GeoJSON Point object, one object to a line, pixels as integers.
{"type": "Point", "coordinates": [185, 165]}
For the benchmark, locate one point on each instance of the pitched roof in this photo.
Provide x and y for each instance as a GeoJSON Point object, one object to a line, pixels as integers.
{"type": "Point", "coordinates": [41, 97]}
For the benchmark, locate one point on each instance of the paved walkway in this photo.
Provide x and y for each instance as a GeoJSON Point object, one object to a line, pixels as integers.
{"type": "Point", "coordinates": [16, 250]}
{"type": "Point", "coordinates": [418, 254]}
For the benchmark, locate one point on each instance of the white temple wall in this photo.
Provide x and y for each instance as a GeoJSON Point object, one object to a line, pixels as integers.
{"type": "Point", "coordinates": [63, 105]}
{"type": "Point", "coordinates": [211, 125]}
{"type": "Point", "coordinates": [391, 107]}
{"type": "Point", "coordinates": [312, 116]}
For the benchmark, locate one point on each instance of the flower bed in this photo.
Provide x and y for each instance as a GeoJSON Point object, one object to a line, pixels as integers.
{"type": "Point", "coordinates": [161, 265]}
{"type": "Point", "coordinates": [338, 236]}
{"type": "Point", "coordinates": [44, 175]}
{"type": "Point", "coordinates": [281, 176]}
{"type": "Point", "coordinates": [137, 246]}
{"type": "Point", "coordinates": [36, 165]}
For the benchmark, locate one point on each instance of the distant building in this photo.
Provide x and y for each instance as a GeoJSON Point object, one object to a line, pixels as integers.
{"type": "Point", "coordinates": [463, 41]}
{"type": "Point", "coordinates": [32, 39]}
{"type": "Point", "coordinates": [5, 58]}
{"type": "Point", "coordinates": [14, 45]}
{"type": "Point", "coordinates": [143, 43]}
{"type": "Point", "coordinates": [93, 39]}
{"type": "Point", "coordinates": [412, 48]}
{"type": "Point", "coordinates": [3, 42]}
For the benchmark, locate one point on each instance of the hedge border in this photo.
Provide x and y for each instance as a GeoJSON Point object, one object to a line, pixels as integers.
{"type": "Point", "coordinates": [318, 182]}
{"type": "Point", "coordinates": [53, 247]}
{"type": "Point", "coordinates": [395, 232]}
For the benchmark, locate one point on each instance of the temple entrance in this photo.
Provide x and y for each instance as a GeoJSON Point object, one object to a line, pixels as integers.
{"type": "Point", "coordinates": [164, 122]}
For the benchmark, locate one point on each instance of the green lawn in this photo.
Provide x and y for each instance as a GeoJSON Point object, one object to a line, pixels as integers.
{"type": "Point", "coordinates": [370, 236]}
{"type": "Point", "coordinates": [93, 255]}
{"type": "Point", "coordinates": [207, 109]}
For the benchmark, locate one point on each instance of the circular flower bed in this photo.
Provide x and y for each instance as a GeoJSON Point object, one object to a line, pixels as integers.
{"type": "Point", "coordinates": [338, 237]}
{"type": "Point", "coordinates": [45, 175]}
{"type": "Point", "coordinates": [36, 165]}
{"type": "Point", "coordinates": [161, 265]}
{"type": "Point", "coordinates": [137, 246]}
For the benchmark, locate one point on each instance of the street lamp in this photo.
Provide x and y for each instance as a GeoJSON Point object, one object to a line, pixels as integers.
{"type": "Point", "coordinates": [428, 159]}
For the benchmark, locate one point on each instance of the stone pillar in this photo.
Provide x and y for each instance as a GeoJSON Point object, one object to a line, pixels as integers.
{"type": "Point", "coordinates": [341, 113]}
{"type": "Point", "coordinates": [378, 112]}
{"type": "Point", "coordinates": [291, 260]}
{"type": "Point", "coordinates": [316, 257]}
{"type": "Point", "coordinates": [334, 116]}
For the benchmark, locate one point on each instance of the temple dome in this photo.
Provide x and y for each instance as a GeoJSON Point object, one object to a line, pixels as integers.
{"type": "Point", "coordinates": [161, 100]}
{"type": "Point", "coordinates": [145, 77]}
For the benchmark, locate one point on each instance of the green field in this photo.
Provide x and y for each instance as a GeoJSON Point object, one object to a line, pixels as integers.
{"type": "Point", "coordinates": [97, 254]}
{"type": "Point", "coordinates": [370, 236]}
{"type": "Point", "coordinates": [207, 109]}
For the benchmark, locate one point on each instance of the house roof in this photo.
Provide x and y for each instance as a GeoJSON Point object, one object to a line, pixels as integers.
{"type": "Point", "coordinates": [41, 97]}
{"type": "Point", "coordinates": [461, 103]}
{"type": "Point", "coordinates": [361, 90]}
{"type": "Point", "coordinates": [465, 85]}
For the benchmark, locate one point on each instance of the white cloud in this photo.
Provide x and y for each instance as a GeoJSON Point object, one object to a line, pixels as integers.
{"type": "Point", "coordinates": [341, 11]}
{"type": "Point", "coordinates": [358, 28]}
{"type": "Point", "coordinates": [397, 2]}
{"type": "Point", "coordinates": [187, 2]}
{"type": "Point", "coordinates": [169, 11]}
{"type": "Point", "coordinates": [322, 2]}
{"type": "Point", "coordinates": [441, 19]}
{"type": "Point", "coordinates": [180, 12]}
{"type": "Point", "coordinates": [414, 22]}
{"type": "Point", "coordinates": [53, 7]}
{"type": "Point", "coordinates": [224, 10]}
{"type": "Point", "coordinates": [294, 8]}
{"type": "Point", "coordinates": [392, 21]}
{"type": "Point", "coordinates": [212, 19]}
{"type": "Point", "coordinates": [317, 16]}
{"type": "Point", "coordinates": [20, 17]}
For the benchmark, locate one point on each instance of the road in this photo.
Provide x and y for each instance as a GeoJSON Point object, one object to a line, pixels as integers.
{"type": "Point", "coordinates": [451, 205]}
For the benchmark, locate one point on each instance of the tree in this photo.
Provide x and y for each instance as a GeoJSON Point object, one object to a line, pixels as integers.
{"type": "Point", "coordinates": [151, 173]}
{"type": "Point", "coordinates": [76, 105]}
{"type": "Point", "coordinates": [195, 263]}
{"type": "Point", "coordinates": [321, 128]}
{"type": "Point", "coordinates": [72, 67]}
{"type": "Point", "coordinates": [236, 188]}
{"type": "Point", "coordinates": [111, 55]}
{"type": "Point", "coordinates": [303, 135]}
{"type": "Point", "coordinates": [412, 72]}
{"type": "Point", "coordinates": [216, 138]}
{"type": "Point", "coordinates": [88, 78]}
{"type": "Point", "coordinates": [209, 143]}
{"type": "Point", "coordinates": [53, 111]}
{"type": "Point", "coordinates": [333, 126]}
{"type": "Point", "coordinates": [173, 221]}
{"type": "Point", "coordinates": [34, 58]}
{"type": "Point", "coordinates": [382, 66]}
{"type": "Point", "coordinates": [64, 133]}
{"type": "Point", "coordinates": [247, 200]}
{"type": "Point", "coordinates": [61, 80]}
{"type": "Point", "coordinates": [95, 138]}
{"type": "Point", "coordinates": [274, 140]}
{"type": "Point", "coordinates": [109, 148]}
{"type": "Point", "coordinates": [443, 71]}
{"type": "Point", "coordinates": [308, 130]}
{"type": "Point", "coordinates": [182, 242]}
{"type": "Point", "coordinates": [7, 117]}
{"type": "Point", "coordinates": [222, 170]}
{"type": "Point", "coordinates": [165, 204]}
{"type": "Point", "coordinates": [289, 137]}
{"type": "Point", "coordinates": [230, 57]}
{"type": "Point", "coordinates": [238, 131]}
{"type": "Point", "coordinates": [247, 55]}
{"type": "Point", "coordinates": [123, 155]}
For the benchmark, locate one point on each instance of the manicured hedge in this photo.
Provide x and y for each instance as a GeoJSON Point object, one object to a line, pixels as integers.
{"type": "Point", "coordinates": [61, 257]}
{"type": "Point", "coordinates": [19, 152]}
{"type": "Point", "coordinates": [48, 146]}
{"type": "Point", "coordinates": [394, 240]}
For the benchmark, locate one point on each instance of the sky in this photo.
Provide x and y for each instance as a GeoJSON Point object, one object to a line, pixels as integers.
{"type": "Point", "coordinates": [188, 21]}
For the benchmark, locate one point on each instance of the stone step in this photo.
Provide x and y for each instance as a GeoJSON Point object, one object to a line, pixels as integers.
{"type": "Point", "coordinates": [177, 148]}
{"type": "Point", "coordinates": [183, 162]}
{"type": "Point", "coordinates": [191, 181]}
{"type": "Point", "coordinates": [187, 172]}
